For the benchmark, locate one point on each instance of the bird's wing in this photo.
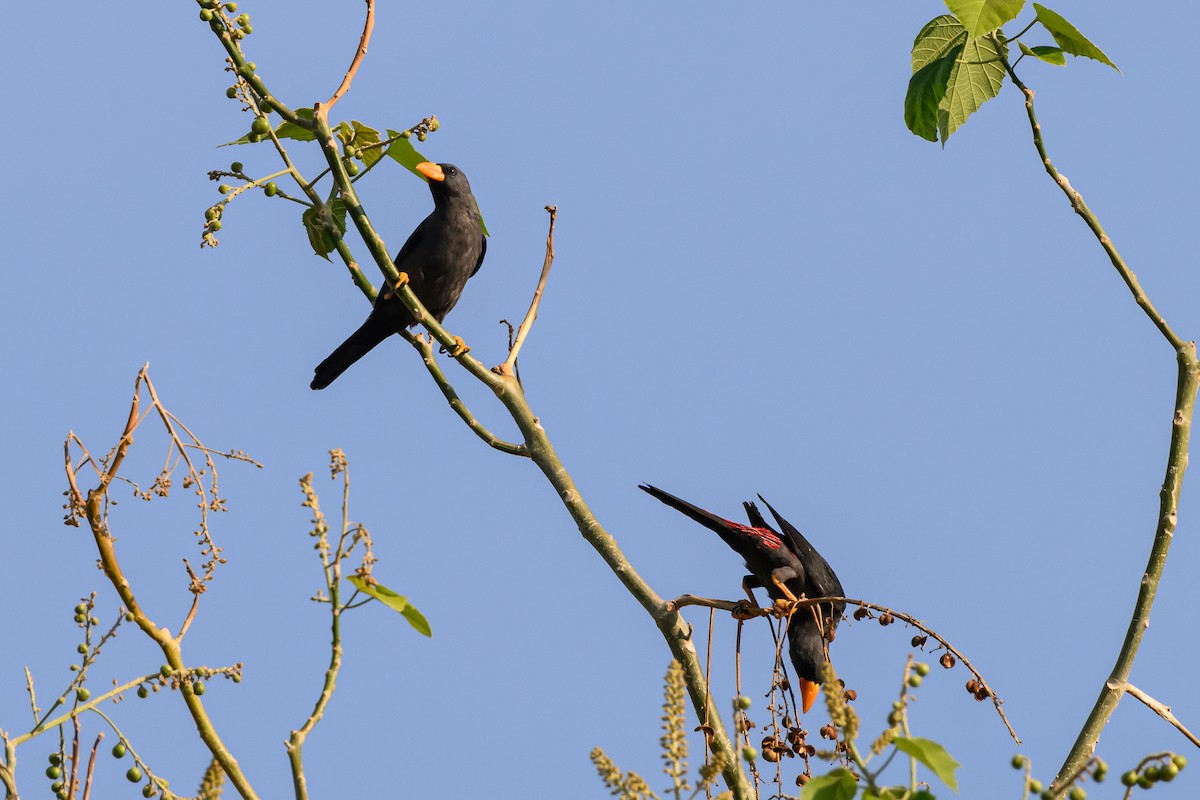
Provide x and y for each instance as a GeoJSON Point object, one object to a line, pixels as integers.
{"type": "Point", "coordinates": [754, 515]}
{"type": "Point", "coordinates": [822, 576]}
{"type": "Point", "coordinates": [719, 525]}
{"type": "Point", "coordinates": [411, 244]}
{"type": "Point", "coordinates": [482, 253]}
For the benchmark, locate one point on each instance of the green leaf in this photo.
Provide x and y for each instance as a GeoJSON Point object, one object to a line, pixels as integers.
{"type": "Point", "coordinates": [1069, 38]}
{"type": "Point", "coordinates": [839, 784]}
{"type": "Point", "coordinates": [926, 90]}
{"type": "Point", "coordinates": [977, 78]}
{"type": "Point", "coordinates": [405, 154]}
{"type": "Point", "coordinates": [290, 130]}
{"type": "Point", "coordinates": [1051, 55]}
{"type": "Point", "coordinates": [939, 36]}
{"type": "Point", "coordinates": [364, 137]}
{"type": "Point", "coordinates": [394, 601]}
{"type": "Point", "coordinates": [319, 237]}
{"type": "Point", "coordinates": [932, 755]}
{"type": "Point", "coordinates": [984, 16]}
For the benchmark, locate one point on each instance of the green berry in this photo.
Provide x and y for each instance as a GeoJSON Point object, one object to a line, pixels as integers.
{"type": "Point", "coordinates": [236, 166]}
{"type": "Point", "coordinates": [224, 188]}
{"type": "Point", "coordinates": [1018, 761]}
{"type": "Point", "coordinates": [53, 773]}
{"type": "Point", "coordinates": [405, 134]}
{"type": "Point", "coordinates": [83, 693]}
{"type": "Point", "coordinates": [148, 790]}
{"type": "Point", "coordinates": [247, 30]}
{"type": "Point", "coordinates": [264, 105]}
{"type": "Point", "coordinates": [1144, 782]}
{"type": "Point", "coordinates": [421, 136]}
{"type": "Point", "coordinates": [242, 19]}
{"type": "Point", "coordinates": [922, 669]}
{"type": "Point", "coordinates": [351, 168]}
{"type": "Point", "coordinates": [119, 750]}
{"type": "Point", "coordinates": [56, 758]}
{"type": "Point", "coordinates": [743, 702]}
{"type": "Point", "coordinates": [82, 649]}
{"type": "Point", "coordinates": [237, 677]}
{"type": "Point", "coordinates": [143, 692]}
{"type": "Point", "coordinates": [206, 14]}
{"type": "Point", "coordinates": [260, 125]}
{"type": "Point", "coordinates": [214, 226]}
{"type": "Point", "coordinates": [81, 608]}
{"type": "Point", "coordinates": [270, 189]}
{"type": "Point", "coordinates": [212, 213]}
{"type": "Point", "coordinates": [1151, 773]}
{"type": "Point", "coordinates": [94, 621]}
{"type": "Point", "coordinates": [1129, 778]}
{"type": "Point", "coordinates": [1046, 795]}
{"type": "Point", "coordinates": [133, 775]}
{"type": "Point", "coordinates": [231, 7]}
{"type": "Point", "coordinates": [1076, 793]}
{"type": "Point", "coordinates": [74, 668]}
{"type": "Point", "coordinates": [1168, 772]}
{"type": "Point", "coordinates": [1179, 761]}
{"type": "Point", "coordinates": [1035, 786]}
{"type": "Point", "coordinates": [80, 618]}
{"type": "Point", "coordinates": [914, 681]}
{"type": "Point", "coordinates": [56, 786]}
{"type": "Point", "coordinates": [749, 753]}
{"type": "Point", "coordinates": [165, 670]}
{"type": "Point", "coordinates": [231, 92]}
{"type": "Point", "coordinates": [198, 687]}
{"type": "Point", "coordinates": [216, 24]}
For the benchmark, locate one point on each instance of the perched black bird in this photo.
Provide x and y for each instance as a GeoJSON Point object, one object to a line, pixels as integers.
{"type": "Point", "coordinates": [787, 567]}
{"type": "Point", "coordinates": [444, 251]}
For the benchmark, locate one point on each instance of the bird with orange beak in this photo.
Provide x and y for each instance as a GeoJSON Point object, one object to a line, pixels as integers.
{"type": "Point", "coordinates": [789, 568]}
{"type": "Point", "coordinates": [439, 257]}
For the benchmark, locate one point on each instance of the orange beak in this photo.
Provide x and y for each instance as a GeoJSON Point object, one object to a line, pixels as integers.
{"type": "Point", "coordinates": [808, 693]}
{"type": "Point", "coordinates": [431, 171]}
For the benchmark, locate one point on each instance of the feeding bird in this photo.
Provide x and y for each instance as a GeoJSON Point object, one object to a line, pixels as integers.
{"type": "Point", "coordinates": [440, 255]}
{"type": "Point", "coordinates": [788, 567]}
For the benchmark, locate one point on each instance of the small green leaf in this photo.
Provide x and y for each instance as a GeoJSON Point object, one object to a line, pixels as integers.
{"type": "Point", "coordinates": [977, 78]}
{"type": "Point", "coordinates": [983, 16]}
{"type": "Point", "coordinates": [322, 241]}
{"type": "Point", "coordinates": [290, 130]}
{"type": "Point", "coordinates": [1069, 38]}
{"type": "Point", "coordinates": [405, 154]}
{"type": "Point", "coordinates": [1051, 55]}
{"type": "Point", "coordinates": [932, 755]}
{"type": "Point", "coordinates": [364, 137]}
{"type": "Point", "coordinates": [838, 784]}
{"type": "Point", "coordinates": [394, 601]}
{"type": "Point", "coordinates": [926, 89]}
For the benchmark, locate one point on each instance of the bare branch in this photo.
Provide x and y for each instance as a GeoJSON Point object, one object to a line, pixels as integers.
{"type": "Point", "coordinates": [509, 367]}
{"type": "Point", "coordinates": [1163, 711]}
{"type": "Point", "coordinates": [368, 28]}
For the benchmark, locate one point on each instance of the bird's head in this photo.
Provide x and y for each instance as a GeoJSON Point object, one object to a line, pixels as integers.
{"type": "Point", "coordinates": [446, 181]}
{"type": "Point", "coordinates": [806, 647]}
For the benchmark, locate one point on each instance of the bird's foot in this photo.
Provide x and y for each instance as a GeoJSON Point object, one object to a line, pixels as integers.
{"type": "Point", "coordinates": [744, 609]}
{"type": "Point", "coordinates": [389, 290]}
{"type": "Point", "coordinates": [783, 607]}
{"type": "Point", "coordinates": [401, 280]}
{"type": "Point", "coordinates": [460, 347]}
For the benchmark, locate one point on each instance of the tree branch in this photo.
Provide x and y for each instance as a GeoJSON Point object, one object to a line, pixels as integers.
{"type": "Point", "coordinates": [1160, 709]}
{"type": "Point", "coordinates": [363, 41]}
{"type": "Point", "coordinates": [509, 367]}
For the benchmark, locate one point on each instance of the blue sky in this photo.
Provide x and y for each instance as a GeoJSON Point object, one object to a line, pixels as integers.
{"type": "Point", "coordinates": [763, 283]}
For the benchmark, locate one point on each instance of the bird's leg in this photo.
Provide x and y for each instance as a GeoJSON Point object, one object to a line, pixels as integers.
{"type": "Point", "coordinates": [460, 348]}
{"type": "Point", "coordinates": [786, 604]}
{"type": "Point", "coordinates": [743, 611]}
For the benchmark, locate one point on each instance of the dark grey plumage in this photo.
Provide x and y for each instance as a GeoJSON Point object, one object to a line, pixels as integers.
{"type": "Point", "coordinates": [776, 559]}
{"type": "Point", "coordinates": [444, 251]}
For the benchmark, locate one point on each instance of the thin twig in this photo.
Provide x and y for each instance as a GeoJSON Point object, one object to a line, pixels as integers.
{"type": "Point", "coordinates": [509, 366]}
{"type": "Point", "coordinates": [742, 610]}
{"type": "Point", "coordinates": [363, 41]}
{"type": "Point", "coordinates": [1163, 711]}
{"type": "Point", "coordinates": [87, 781]}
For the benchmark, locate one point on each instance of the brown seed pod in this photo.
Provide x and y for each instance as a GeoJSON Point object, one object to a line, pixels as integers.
{"type": "Point", "coordinates": [972, 686]}
{"type": "Point", "coordinates": [947, 660]}
{"type": "Point", "coordinates": [803, 778]}
{"type": "Point", "coordinates": [796, 738]}
{"type": "Point", "coordinates": [861, 613]}
{"type": "Point", "coordinates": [810, 751]}
{"type": "Point", "coordinates": [886, 619]}
{"type": "Point", "coordinates": [919, 641]}
{"type": "Point", "coordinates": [851, 695]}
{"type": "Point", "coordinates": [982, 693]}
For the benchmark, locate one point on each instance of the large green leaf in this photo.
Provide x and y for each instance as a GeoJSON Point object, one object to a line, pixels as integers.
{"type": "Point", "coordinates": [939, 36]}
{"type": "Point", "coordinates": [319, 237]}
{"type": "Point", "coordinates": [926, 90]}
{"type": "Point", "coordinates": [1051, 55]}
{"type": "Point", "coordinates": [984, 16]}
{"type": "Point", "coordinates": [932, 755]}
{"type": "Point", "coordinates": [839, 784]}
{"type": "Point", "coordinates": [405, 154]}
{"type": "Point", "coordinates": [1069, 38]}
{"type": "Point", "coordinates": [395, 602]}
{"type": "Point", "coordinates": [977, 78]}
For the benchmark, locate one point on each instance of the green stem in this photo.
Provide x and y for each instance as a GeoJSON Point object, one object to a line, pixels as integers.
{"type": "Point", "coordinates": [1187, 383]}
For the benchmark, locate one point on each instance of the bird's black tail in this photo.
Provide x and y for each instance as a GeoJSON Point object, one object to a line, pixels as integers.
{"type": "Point", "coordinates": [719, 525]}
{"type": "Point", "coordinates": [361, 342]}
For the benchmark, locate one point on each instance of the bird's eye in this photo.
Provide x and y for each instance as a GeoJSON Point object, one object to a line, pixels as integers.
{"type": "Point", "coordinates": [452, 171]}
